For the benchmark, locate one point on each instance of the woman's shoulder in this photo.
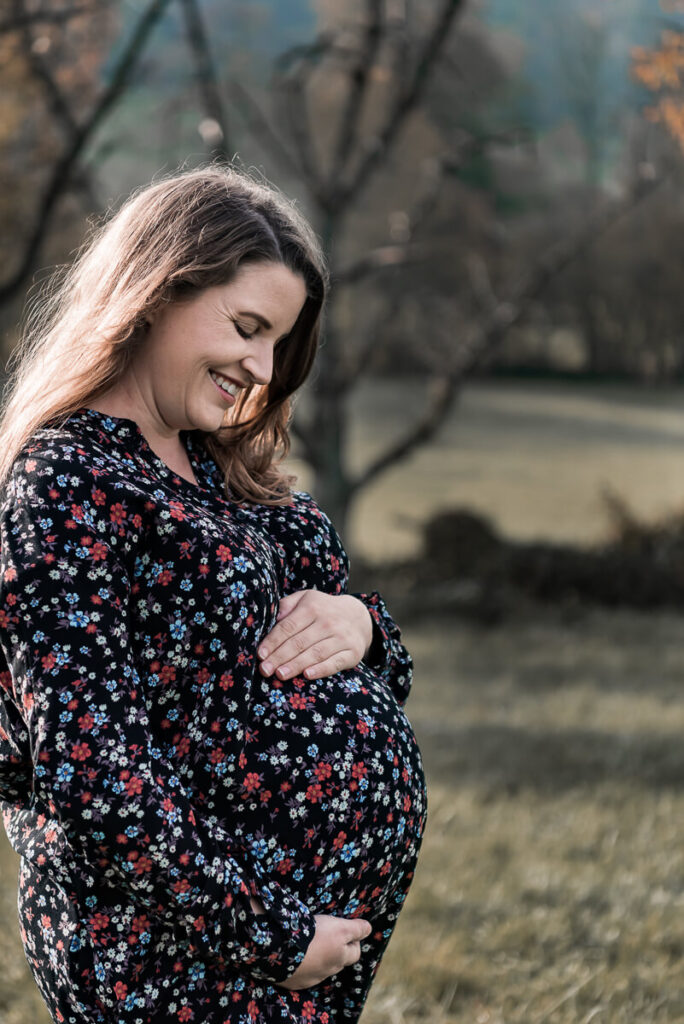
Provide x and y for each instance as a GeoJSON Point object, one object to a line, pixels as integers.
{"type": "Point", "coordinates": [55, 455]}
{"type": "Point", "coordinates": [301, 510]}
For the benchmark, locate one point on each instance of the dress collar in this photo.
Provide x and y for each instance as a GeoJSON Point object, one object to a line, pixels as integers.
{"type": "Point", "coordinates": [124, 431]}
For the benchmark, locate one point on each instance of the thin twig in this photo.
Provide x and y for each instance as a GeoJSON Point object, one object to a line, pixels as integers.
{"type": "Point", "coordinates": [407, 99]}
{"type": "Point", "coordinates": [207, 78]}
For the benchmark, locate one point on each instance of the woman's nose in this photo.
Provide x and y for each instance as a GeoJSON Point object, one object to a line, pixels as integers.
{"type": "Point", "coordinates": [259, 363]}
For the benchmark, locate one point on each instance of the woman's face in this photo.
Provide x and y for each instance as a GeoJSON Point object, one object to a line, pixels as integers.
{"type": "Point", "coordinates": [199, 353]}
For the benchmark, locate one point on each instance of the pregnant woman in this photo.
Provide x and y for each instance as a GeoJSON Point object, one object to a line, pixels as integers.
{"type": "Point", "coordinates": [204, 762]}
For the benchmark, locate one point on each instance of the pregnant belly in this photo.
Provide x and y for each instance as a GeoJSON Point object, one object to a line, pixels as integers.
{"type": "Point", "coordinates": [333, 799]}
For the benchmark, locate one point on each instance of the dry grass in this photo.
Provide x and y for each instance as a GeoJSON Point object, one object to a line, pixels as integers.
{"type": "Point", "coordinates": [551, 883]}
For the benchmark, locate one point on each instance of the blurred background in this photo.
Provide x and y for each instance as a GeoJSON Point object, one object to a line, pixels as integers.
{"type": "Point", "coordinates": [495, 423]}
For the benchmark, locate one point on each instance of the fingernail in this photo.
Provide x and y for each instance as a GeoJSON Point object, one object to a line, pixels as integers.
{"type": "Point", "coordinates": [262, 652]}
{"type": "Point", "coordinates": [283, 671]}
{"type": "Point", "coordinates": [267, 667]}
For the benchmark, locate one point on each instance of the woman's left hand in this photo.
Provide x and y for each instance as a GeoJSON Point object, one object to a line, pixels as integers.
{"type": "Point", "coordinates": [316, 635]}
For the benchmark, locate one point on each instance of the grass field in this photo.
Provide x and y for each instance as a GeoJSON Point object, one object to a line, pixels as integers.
{"type": "Point", "coordinates": [551, 883]}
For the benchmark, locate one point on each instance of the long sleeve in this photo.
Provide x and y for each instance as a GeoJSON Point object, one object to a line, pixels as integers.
{"type": "Point", "coordinates": [388, 657]}
{"type": "Point", "coordinates": [65, 602]}
{"type": "Point", "coordinates": [313, 556]}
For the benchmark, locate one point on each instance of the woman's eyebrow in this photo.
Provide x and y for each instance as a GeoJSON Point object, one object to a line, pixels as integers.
{"type": "Point", "coordinates": [257, 316]}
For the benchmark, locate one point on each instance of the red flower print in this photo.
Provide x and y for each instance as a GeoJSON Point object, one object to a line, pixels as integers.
{"type": "Point", "coordinates": [308, 1009]}
{"type": "Point", "coordinates": [117, 513]}
{"type": "Point", "coordinates": [86, 722]}
{"type": "Point", "coordinates": [340, 840]}
{"type": "Point", "coordinates": [182, 744]}
{"type": "Point", "coordinates": [142, 865]}
{"type": "Point", "coordinates": [185, 1013]}
{"type": "Point", "coordinates": [226, 680]}
{"type": "Point", "coordinates": [134, 785]}
{"type": "Point", "coordinates": [224, 553]}
{"type": "Point", "coordinates": [120, 990]}
{"type": "Point", "coordinates": [177, 510]}
{"type": "Point", "coordinates": [99, 497]}
{"type": "Point", "coordinates": [251, 781]}
{"type": "Point", "coordinates": [314, 793]}
{"type": "Point", "coordinates": [81, 752]}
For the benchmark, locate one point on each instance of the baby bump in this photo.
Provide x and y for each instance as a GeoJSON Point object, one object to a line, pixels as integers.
{"type": "Point", "coordinates": [332, 799]}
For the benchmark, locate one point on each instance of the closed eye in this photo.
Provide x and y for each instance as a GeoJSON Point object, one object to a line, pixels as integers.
{"type": "Point", "coordinates": [243, 334]}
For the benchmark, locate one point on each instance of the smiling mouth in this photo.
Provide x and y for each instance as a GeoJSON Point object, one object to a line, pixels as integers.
{"type": "Point", "coordinates": [228, 388]}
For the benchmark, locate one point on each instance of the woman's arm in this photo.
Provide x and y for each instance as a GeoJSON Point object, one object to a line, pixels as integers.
{"type": "Point", "coordinates": [65, 599]}
{"type": "Point", "coordinates": [387, 656]}
{"type": "Point", "coordinates": [322, 628]}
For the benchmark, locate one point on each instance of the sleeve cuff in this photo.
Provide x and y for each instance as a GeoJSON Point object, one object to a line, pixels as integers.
{"type": "Point", "coordinates": [387, 656]}
{"type": "Point", "coordinates": [269, 946]}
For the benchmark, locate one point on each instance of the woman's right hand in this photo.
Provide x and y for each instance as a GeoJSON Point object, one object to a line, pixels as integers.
{"type": "Point", "coordinates": [336, 944]}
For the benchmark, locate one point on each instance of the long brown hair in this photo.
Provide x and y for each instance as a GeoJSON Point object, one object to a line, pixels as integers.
{"type": "Point", "coordinates": [169, 240]}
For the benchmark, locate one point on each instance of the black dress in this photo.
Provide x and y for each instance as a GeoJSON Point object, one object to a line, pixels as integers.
{"type": "Point", "coordinates": [151, 778]}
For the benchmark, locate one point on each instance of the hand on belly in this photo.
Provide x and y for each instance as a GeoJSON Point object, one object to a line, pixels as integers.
{"type": "Point", "coordinates": [336, 944]}
{"type": "Point", "coordinates": [317, 635]}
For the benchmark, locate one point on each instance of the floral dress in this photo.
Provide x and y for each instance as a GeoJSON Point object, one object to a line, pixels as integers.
{"type": "Point", "coordinates": [151, 778]}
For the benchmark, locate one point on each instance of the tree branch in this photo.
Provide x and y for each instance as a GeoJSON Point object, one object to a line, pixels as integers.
{"type": "Point", "coordinates": [293, 90]}
{"type": "Point", "coordinates": [260, 125]}
{"type": "Point", "coordinates": [305, 438]}
{"type": "Point", "coordinates": [487, 336]}
{"type": "Point", "coordinates": [207, 78]}
{"type": "Point", "coordinates": [46, 17]}
{"type": "Point", "coordinates": [407, 99]}
{"type": "Point", "coordinates": [358, 87]}
{"type": "Point", "coordinates": [41, 70]}
{"type": "Point", "coordinates": [62, 171]}
{"type": "Point", "coordinates": [384, 257]}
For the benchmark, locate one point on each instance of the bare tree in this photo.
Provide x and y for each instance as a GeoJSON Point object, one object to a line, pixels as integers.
{"type": "Point", "coordinates": [335, 180]}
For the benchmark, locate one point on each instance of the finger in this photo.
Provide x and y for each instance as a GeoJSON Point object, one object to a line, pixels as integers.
{"type": "Point", "coordinates": [359, 928]}
{"type": "Point", "coordinates": [289, 603]}
{"type": "Point", "coordinates": [287, 628]}
{"type": "Point", "coordinates": [303, 650]}
{"type": "Point", "coordinates": [338, 662]}
{"type": "Point", "coordinates": [352, 953]}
